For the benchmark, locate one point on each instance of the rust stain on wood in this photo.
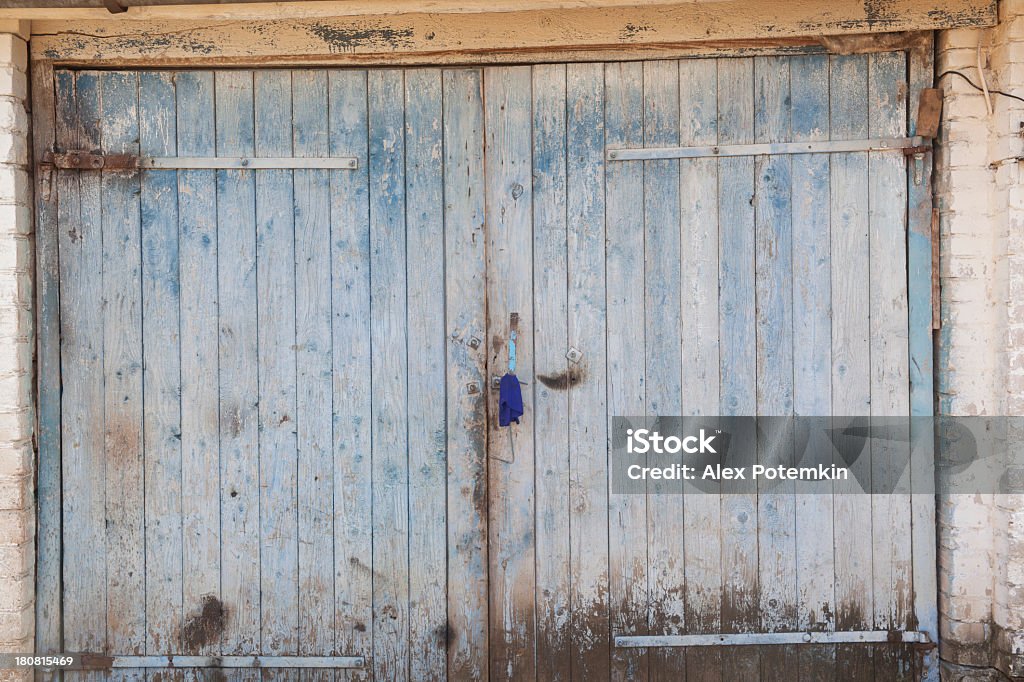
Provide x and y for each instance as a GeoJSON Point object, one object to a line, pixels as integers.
{"type": "Point", "coordinates": [563, 380]}
{"type": "Point", "coordinates": [206, 626]}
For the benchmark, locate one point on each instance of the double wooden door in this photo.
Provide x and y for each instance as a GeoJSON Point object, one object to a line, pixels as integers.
{"type": "Point", "coordinates": [276, 430]}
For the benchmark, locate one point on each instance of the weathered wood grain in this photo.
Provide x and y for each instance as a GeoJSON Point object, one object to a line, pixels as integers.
{"type": "Point", "coordinates": [350, 352]}
{"type": "Point", "coordinates": [389, 385]}
{"type": "Point", "coordinates": [812, 353]}
{"type": "Point", "coordinates": [920, 306]}
{"type": "Point", "coordinates": [699, 239]}
{"type": "Point", "coordinates": [890, 356]}
{"type": "Point", "coordinates": [275, 349]}
{"type": "Point", "coordinates": [199, 305]}
{"type": "Point", "coordinates": [663, 359]}
{"type": "Point", "coordinates": [313, 366]}
{"type": "Point", "coordinates": [553, 371]}
{"type": "Point", "coordinates": [161, 378]}
{"type": "Point", "coordinates": [49, 606]}
{"type": "Point", "coordinates": [508, 171]}
{"type": "Point", "coordinates": [81, 355]}
{"type": "Point", "coordinates": [466, 375]}
{"type": "Point", "coordinates": [122, 372]}
{"type": "Point", "coordinates": [776, 506]}
{"type": "Point", "coordinates": [624, 261]}
{"type": "Point", "coordinates": [738, 344]}
{"type": "Point", "coordinates": [424, 187]}
{"type": "Point", "coordinates": [447, 37]}
{"type": "Point", "coordinates": [588, 436]}
{"type": "Point", "coordinates": [851, 360]}
{"type": "Point", "coordinates": [237, 363]}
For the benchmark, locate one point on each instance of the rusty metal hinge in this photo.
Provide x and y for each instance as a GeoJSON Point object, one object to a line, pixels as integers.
{"type": "Point", "coordinates": [78, 159]}
{"type": "Point", "coordinates": [936, 278]}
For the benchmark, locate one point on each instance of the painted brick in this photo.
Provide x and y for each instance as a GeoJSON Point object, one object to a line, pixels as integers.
{"type": "Point", "coordinates": [981, 347]}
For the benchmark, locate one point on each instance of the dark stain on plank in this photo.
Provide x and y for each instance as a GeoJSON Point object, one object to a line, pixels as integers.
{"type": "Point", "coordinates": [345, 39]}
{"type": "Point", "coordinates": [631, 31]}
{"type": "Point", "coordinates": [563, 380]}
{"type": "Point", "coordinates": [206, 626]}
{"type": "Point", "coordinates": [443, 636]}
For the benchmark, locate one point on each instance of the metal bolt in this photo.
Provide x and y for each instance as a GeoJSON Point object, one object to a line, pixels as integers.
{"type": "Point", "coordinates": [474, 343]}
{"type": "Point", "coordinates": [614, 155]}
{"type": "Point", "coordinates": [495, 382]}
{"type": "Point", "coordinates": [807, 637]}
{"type": "Point", "coordinates": [574, 354]}
{"type": "Point", "coordinates": [472, 388]}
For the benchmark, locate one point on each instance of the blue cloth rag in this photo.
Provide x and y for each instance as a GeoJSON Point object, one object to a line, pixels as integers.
{"type": "Point", "coordinates": [510, 400]}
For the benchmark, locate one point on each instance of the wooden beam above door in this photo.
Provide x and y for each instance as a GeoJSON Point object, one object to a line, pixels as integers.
{"type": "Point", "coordinates": [402, 32]}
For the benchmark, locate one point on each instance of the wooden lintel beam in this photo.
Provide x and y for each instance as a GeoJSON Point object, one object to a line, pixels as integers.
{"type": "Point", "coordinates": [462, 37]}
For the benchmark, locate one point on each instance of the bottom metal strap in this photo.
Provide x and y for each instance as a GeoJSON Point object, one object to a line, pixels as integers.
{"type": "Point", "coordinates": [100, 662]}
{"type": "Point", "coordinates": [761, 638]}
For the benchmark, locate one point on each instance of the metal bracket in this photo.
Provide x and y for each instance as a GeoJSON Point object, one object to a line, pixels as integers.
{"type": "Point", "coordinates": [917, 153]}
{"type": "Point", "coordinates": [880, 144]}
{"type": "Point", "coordinates": [105, 662]}
{"type": "Point", "coordinates": [78, 159]}
{"type": "Point", "coordinates": [763, 638]}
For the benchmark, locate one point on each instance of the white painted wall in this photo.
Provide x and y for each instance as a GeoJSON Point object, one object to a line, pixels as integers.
{"type": "Point", "coordinates": [17, 515]}
{"type": "Point", "coordinates": [981, 344]}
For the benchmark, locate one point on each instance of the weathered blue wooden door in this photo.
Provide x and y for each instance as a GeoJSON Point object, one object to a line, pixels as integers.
{"type": "Point", "coordinates": [285, 295]}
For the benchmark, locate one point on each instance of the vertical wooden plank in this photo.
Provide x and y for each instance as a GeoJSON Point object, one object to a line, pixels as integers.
{"type": "Point", "coordinates": [698, 191]}
{"type": "Point", "coordinates": [389, 388]}
{"type": "Point", "coordinates": [275, 320]}
{"type": "Point", "coordinates": [627, 572]}
{"type": "Point", "coordinates": [48, 379]}
{"type": "Point", "coordinates": [426, 358]}
{"type": "Point", "coordinates": [350, 343]}
{"type": "Point", "coordinates": [239, 440]}
{"type": "Point", "coordinates": [508, 168]}
{"type": "Point", "coordinates": [552, 371]}
{"type": "Point", "coordinates": [466, 382]}
{"type": "Point", "coordinates": [738, 361]}
{"type": "Point", "coordinates": [773, 209]}
{"type": "Point", "coordinates": [588, 435]}
{"type": "Point", "coordinates": [81, 356]}
{"type": "Point", "coordinates": [161, 379]}
{"type": "Point", "coordinates": [812, 357]}
{"type": "Point", "coordinates": [920, 306]}
{"type": "Point", "coordinates": [313, 407]}
{"type": "Point", "coordinates": [851, 360]}
{"type": "Point", "coordinates": [663, 360]}
{"type": "Point", "coordinates": [199, 306]}
{"type": "Point", "coordinates": [122, 371]}
{"type": "Point", "coordinates": [890, 374]}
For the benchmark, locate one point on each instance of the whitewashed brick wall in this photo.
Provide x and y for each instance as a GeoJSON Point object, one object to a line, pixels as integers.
{"type": "Point", "coordinates": [981, 346]}
{"type": "Point", "coordinates": [17, 516]}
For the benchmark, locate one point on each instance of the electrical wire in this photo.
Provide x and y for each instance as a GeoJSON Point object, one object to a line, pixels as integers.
{"type": "Point", "coordinates": [978, 87]}
{"type": "Point", "coordinates": [984, 83]}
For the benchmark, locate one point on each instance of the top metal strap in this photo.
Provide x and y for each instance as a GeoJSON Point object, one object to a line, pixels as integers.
{"type": "Point", "coordinates": [879, 144]}
{"type": "Point", "coordinates": [77, 159]}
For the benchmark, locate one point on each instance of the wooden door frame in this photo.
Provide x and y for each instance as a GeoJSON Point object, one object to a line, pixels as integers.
{"type": "Point", "coordinates": [920, 236]}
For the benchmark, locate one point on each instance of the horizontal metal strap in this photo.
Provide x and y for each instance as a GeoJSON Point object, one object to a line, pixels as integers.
{"type": "Point", "coordinates": [759, 638]}
{"type": "Point", "coordinates": [879, 144]}
{"type": "Point", "coordinates": [106, 662]}
{"type": "Point", "coordinates": [246, 162]}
